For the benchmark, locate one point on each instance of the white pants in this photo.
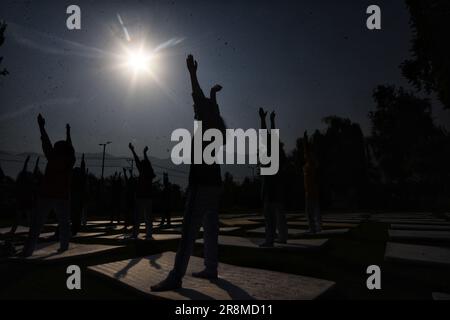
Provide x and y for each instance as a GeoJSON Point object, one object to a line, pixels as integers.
{"type": "Point", "coordinates": [39, 217]}
{"type": "Point", "coordinates": [202, 208]}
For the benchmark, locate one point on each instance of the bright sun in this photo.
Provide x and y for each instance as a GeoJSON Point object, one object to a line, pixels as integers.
{"type": "Point", "coordinates": [138, 61]}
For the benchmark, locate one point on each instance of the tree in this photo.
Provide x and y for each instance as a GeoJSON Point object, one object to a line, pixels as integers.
{"type": "Point", "coordinates": [3, 26]}
{"type": "Point", "coordinates": [402, 126]}
{"type": "Point", "coordinates": [342, 161]}
{"type": "Point", "coordinates": [429, 70]}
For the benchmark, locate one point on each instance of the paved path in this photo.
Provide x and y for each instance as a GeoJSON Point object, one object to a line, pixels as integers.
{"type": "Point", "coordinates": [292, 245]}
{"type": "Point", "coordinates": [48, 252]}
{"type": "Point", "coordinates": [235, 283]}
{"type": "Point", "coordinates": [410, 253]}
{"type": "Point", "coordinates": [419, 235]}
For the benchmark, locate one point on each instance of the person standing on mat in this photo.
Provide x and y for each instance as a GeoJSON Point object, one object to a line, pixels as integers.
{"type": "Point", "coordinates": [77, 196]}
{"type": "Point", "coordinates": [165, 219]}
{"type": "Point", "coordinates": [54, 190]}
{"type": "Point", "coordinates": [310, 172]}
{"type": "Point", "coordinates": [272, 193]}
{"type": "Point", "coordinates": [203, 195]}
{"type": "Point", "coordinates": [130, 187]}
{"type": "Point", "coordinates": [143, 205]}
{"type": "Point", "coordinates": [116, 197]}
{"type": "Point", "coordinates": [24, 197]}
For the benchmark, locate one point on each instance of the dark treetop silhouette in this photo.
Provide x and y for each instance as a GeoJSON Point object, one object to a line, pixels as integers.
{"type": "Point", "coordinates": [429, 68]}
{"type": "Point", "coordinates": [311, 176]}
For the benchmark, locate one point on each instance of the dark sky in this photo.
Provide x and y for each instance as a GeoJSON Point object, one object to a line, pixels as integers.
{"type": "Point", "coordinates": [305, 59]}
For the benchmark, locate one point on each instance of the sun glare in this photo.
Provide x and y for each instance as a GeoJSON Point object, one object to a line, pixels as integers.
{"type": "Point", "coordinates": [138, 61]}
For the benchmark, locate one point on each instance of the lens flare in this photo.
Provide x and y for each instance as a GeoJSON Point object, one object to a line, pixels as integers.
{"type": "Point", "coordinates": [138, 61]}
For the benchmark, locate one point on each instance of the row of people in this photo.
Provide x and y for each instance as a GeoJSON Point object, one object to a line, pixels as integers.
{"type": "Point", "coordinates": [203, 192]}
{"type": "Point", "coordinates": [62, 191]}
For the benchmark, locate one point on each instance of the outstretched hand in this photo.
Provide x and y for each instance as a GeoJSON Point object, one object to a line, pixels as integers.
{"type": "Point", "coordinates": [68, 127]}
{"type": "Point", "coordinates": [146, 149]}
{"type": "Point", "coordinates": [272, 116]}
{"type": "Point", "coordinates": [191, 64]}
{"type": "Point", "coordinates": [41, 120]}
{"type": "Point", "coordinates": [130, 145]}
{"type": "Point", "coordinates": [216, 88]}
{"type": "Point", "coordinates": [262, 113]}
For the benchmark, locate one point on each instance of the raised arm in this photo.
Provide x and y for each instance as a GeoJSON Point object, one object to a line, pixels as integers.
{"type": "Point", "coordinates": [262, 117]}
{"type": "Point", "coordinates": [46, 143]}
{"type": "Point", "coordinates": [136, 158]}
{"type": "Point", "coordinates": [213, 93]}
{"type": "Point", "coordinates": [152, 173]}
{"type": "Point", "coordinates": [192, 66]}
{"type": "Point", "coordinates": [272, 120]}
{"type": "Point", "coordinates": [68, 137]}
{"type": "Point", "coordinates": [145, 153]}
{"type": "Point", "coordinates": [125, 175]}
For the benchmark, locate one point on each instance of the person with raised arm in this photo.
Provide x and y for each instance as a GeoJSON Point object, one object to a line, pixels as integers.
{"type": "Point", "coordinates": [116, 197]}
{"type": "Point", "coordinates": [166, 192]}
{"type": "Point", "coordinates": [24, 197]}
{"type": "Point", "coordinates": [54, 191]}
{"type": "Point", "coordinates": [310, 172]}
{"type": "Point", "coordinates": [203, 195]}
{"type": "Point", "coordinates": [272, 192]}
{"type": "Point", "coordinates": [130, 188]}
{"type": "Point", "coordinates": [144, 194]}
{"type": "Point", "coordinates": [77, 195]}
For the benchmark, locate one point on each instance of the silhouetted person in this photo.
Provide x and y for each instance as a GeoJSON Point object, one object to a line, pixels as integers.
{"type": "Point", "coordinates": [24, 196]}
{"type": "Point", "coordinates": [130, 199]}
{"type": "Point", "coordinates": [116, 196]}
{"type": "Point", "coordinates": [2, 174]}
{"type": "Point", "coordinates": [37, 174]}
{"type": "Point", "coordinates": [77, 196]}
{"type": "Point", "coordinates": [272, 193]}
{"type": "Point", "coordinates": [143, 206]}
{"type": "Point", "coordinates": [6, 190]}
{"type": "Point", "coordinates": [54, 191]}
{"type": "Point", "coordinates": [310, 168]}
{"type": "Point", "coordinates": [203, 194]}
{"type": "Point", "coordinates": [87, 197]}
{"type": "Point", "coordinates": [166, 200]}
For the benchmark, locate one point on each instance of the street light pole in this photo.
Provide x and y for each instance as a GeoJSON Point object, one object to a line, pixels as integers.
{"type": "Point", "coordinates": [103, 158]}
{"type": "Point", "coordinates": [131, 162]}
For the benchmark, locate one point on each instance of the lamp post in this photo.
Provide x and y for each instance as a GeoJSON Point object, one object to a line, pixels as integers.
{"type": "Point", "coordinates": [103, 158]}
{"type": "Point", "coordinates": [131, 162]}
